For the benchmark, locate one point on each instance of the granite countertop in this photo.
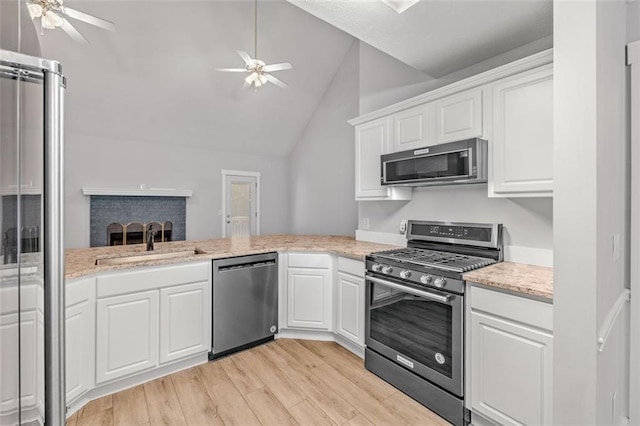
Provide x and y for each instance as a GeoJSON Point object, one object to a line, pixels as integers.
{"type": "Point", "coordinates": [81, 262]}
{"type": "Point", "coordinates": [517, 277]}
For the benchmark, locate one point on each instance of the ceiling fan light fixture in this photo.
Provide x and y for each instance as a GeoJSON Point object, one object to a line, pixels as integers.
{"type": "Point", "coordinates": [400, 5]}
{"type": "Point", "coordinates": [35, 10]}
{"type": "Point", "coordinates": [50, 20]}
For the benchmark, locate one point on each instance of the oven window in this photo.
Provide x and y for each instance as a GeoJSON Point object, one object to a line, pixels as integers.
{"type": "Point", "coordinates": [443, 165]}
{"type": "Point", "coordinates": [417, 328]}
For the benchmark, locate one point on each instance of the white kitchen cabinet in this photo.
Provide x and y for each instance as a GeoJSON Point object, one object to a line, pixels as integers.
{"type": "Point", "coordinates": [350, 300]}
{"type": "Point", "coordinates": [459, 116]}
{"type": "Point", "coordinates": [522, 141]}
{"type": "Point", "coordinates": [413, 128]}
{"type": "Point", "coordinates": [309, 291]}
{"type": "Point", "coordinates": [80, 334]}
{"type": "Point", "coordinates": [182, 329]}
{"type": "Point", "coordinates": [372, 140]}
{"type": "Point", "coordinates": [126, 335]}
{"type": "Point", "coordinates": [511, 358]}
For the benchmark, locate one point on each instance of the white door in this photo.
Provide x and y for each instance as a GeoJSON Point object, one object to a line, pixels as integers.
{"type": "Point", "coordinates": [309, 295]}
{"type": "Point", "coordinates": [241, 206]}
{"type": "Point", "coordinates": [350, 309]}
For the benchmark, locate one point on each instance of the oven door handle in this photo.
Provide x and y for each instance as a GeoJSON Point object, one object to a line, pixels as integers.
{"type": "Point", "coordinates": [419, 293]}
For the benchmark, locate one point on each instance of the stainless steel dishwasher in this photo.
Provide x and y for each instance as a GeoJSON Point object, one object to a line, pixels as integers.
{"type": "Point", "coordinates": [245, 302]}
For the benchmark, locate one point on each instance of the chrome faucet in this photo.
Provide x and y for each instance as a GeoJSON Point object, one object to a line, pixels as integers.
{"type": "Point", "coordinates": [150, 238]}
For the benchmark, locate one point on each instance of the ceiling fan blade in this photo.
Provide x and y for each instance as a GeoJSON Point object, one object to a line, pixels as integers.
{"type": "Point", "coordinates": [245, 57]}
{"type": "Point", "coordinates": [277, 67]}
{"type": "Point", "coordinates": [72, 32]}
{"type": "Point", "coordinates": [89, 19]}
{"type": "Point", "coordinates": [281, 84]}
{"type": "Point", "coordinates": [232, 69]}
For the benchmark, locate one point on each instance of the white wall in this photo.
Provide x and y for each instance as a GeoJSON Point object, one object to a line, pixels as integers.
{"type": "Point", "coordinates": [589, 208]}
{"type": "Point", "coordinates": [322, 163]}
{"type": "Point", "coordinates": [92, 161]}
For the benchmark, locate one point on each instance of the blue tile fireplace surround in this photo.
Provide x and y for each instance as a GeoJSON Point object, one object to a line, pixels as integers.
{"type": "Point", "coordinates": [107, 209]}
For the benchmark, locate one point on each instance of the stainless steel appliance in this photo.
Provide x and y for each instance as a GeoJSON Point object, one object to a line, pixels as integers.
{"type": "Point", "coordinates": [450, 163]}
{"type": "Point", "coordinates": [245, 302]}
{"type": "Point", "coordinates": [32, 309]}
{"type": "Point", "coordinates": [415, 310]}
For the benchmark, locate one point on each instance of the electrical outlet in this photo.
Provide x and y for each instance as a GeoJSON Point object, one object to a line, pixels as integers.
{"type": "Point", "coordinates": [365, 223]}
{"type": "Point", "coordinates": [403, 226]}
{"type": "Point", "coordinates": [616, 247]}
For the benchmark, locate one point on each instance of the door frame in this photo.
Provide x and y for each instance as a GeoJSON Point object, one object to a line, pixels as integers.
{"type": "Point", "coordinates": [633, 60]}
{"type": "Point", "coordinates": [225, 174]}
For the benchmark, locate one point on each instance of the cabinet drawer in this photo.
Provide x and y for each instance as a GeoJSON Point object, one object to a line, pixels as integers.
{"type": "Point", "coordinates": [351, 266]}
{"type": "Point", "coordinates": [517, 308]}
{"type": "Point", "coordinates": [309, 260]}
{"type": "Point", "coordinates": [154, 277]}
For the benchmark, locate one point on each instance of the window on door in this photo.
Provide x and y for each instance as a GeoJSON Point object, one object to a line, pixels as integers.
{"type": "Point", "coordinates": [240, 203]}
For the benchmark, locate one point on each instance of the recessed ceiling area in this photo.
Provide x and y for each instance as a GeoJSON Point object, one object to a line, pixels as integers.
{"type": "Point", "coordinates": [439, 37]}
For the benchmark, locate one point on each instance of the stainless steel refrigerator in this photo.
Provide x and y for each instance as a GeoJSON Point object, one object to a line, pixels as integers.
{"type": "Point", "coordinates": [31, 228]}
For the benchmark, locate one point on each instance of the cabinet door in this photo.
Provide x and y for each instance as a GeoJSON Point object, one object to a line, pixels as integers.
{"type": "Point", "coordinates": [14, 328]}
{"type": "Point", "coordinates": [411, 128]}
{"type": "Point", "coordinates": [372, 140]}
{"type": "Point", "coordinates": [309, 298]}
{"type": "Point", "coordinates": [185, 321]}
{"type": "Point", "coordinates": [511, 371]}
{"type": "Point", "coordinates": [459, 116]}
{"type": "Point", "coordinates": [522, 153]}
{"type": "Point", "coordinates": [127, 335]}
{"type": "Point", "coordinates": [350, 308]}
{"type": "Point", "coordinates": [79, 335]}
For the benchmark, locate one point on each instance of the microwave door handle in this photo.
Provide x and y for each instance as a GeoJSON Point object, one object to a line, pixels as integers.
{"type": "Point", "coordinates": [470, 171]}
{"type": "Point", "coordinates": [413, 291]}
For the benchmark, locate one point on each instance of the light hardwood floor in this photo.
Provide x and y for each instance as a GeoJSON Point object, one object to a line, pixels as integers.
{"type": "Point", "coordinates": [285, 382]}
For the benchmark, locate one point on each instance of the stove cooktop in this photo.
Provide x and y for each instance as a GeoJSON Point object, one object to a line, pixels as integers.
{"type": "Point", "coordinates": [446, 261]}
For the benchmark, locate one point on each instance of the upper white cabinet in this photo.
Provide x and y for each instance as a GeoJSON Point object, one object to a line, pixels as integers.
{"type": "Point", "coordinates": [309, 282]}
{"type": "Point", "coordinates": [522, 142]}
{"type": "Point", "coordinates": [511, 358]}
{"type": "Point", "coordinates": [510, 106]}
{"type": "Point", "coordinates": [413, 128]}
{"type": "Point", "coordinates": [372, 140]}
{"type": "Point", "coordinates": [459, 116]}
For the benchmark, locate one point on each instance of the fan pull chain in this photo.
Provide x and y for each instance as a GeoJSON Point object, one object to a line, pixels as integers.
{"type": "Point", "coordinates": [255, 33]}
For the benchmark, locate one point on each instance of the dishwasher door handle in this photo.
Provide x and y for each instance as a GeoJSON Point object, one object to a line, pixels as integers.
{"type": "Point", "coordinates": [249, 265]}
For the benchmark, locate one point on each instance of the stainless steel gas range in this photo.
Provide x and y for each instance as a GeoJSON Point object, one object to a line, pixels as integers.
{"type": "Point", "coordinates": [415, 310]}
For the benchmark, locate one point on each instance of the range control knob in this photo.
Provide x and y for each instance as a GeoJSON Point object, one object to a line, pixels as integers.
{"type": "Point", "coordinates": [387, 270]}
{"type": "Point", "coordinates": [376, 267]}
{"type": "Point", "coordinates": [426, 279]}
{"type": "Point", "coordinates": [405, 274]}
{"type": "Point", "coordinates": [440, 282]}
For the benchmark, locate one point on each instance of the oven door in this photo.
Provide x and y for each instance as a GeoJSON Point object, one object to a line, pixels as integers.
{"type": "Point", "coordinates": [439, 167]}
{"type": "Point", "coordinates": [419, 329]}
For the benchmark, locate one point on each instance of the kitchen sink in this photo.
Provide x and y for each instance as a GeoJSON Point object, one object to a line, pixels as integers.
{"type": "Point", "coordinates": [147, 256]}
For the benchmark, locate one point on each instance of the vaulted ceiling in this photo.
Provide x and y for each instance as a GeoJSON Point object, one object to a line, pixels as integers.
{"type": "Point", "coordinates": [154, 79]}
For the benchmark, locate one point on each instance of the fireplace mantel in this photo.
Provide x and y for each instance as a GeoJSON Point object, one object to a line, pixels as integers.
{"type": "Point", "coordinates": [151, 192]}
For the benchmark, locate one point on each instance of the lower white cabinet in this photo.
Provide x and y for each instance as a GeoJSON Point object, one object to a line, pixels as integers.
{"type": "Point", "coordinates": [511, 358]}
{"type": "Point", "coordinates": [166, 320]}
{"type": "Point", "coordinates": [126, 334]}
{"type": "Point", "coordinates": [80, 335]}
{"type": "Point", "coordinates": [309, 297]}
{"type": "Point", "coordinates": [350, 300]}
{"type": "Point", "coordinates": [182, 329]}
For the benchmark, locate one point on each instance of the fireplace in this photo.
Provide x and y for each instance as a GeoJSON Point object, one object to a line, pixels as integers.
{"type": "Point", "coordinates": [119, 234]}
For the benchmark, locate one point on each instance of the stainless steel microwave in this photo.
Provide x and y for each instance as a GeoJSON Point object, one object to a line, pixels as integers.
{"type": "Point", "coordinates": [460, 162]}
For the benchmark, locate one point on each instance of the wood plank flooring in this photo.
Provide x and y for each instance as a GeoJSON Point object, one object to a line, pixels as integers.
{"type": "Point", "coordinates": [285, 382]}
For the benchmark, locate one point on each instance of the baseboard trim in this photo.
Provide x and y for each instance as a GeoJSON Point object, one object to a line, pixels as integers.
{"type": "Point", "coordinates": [324, 336]}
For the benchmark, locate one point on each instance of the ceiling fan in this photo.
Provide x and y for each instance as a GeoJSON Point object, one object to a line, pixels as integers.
{"type": "Point", "coordinates": [257, 69]}
{"type": "Point", "coordinates": [52, 15]}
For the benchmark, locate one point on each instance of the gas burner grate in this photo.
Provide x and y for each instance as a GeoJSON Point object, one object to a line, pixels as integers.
{"type": "Point", "coordinates": [436, 259]}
